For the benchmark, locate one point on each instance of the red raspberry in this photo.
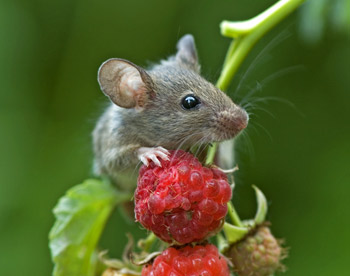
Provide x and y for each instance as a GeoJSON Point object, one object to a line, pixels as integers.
{"type": "Point", "coordinates": [182, 201]}
{"type": "Point", "coordinates": [190, 261]}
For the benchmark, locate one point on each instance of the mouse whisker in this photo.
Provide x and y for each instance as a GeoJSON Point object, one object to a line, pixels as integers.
{"type": "Point", "coordinates": [248, 147]}
{"type": "Point", "coordinates": [185, 139]}
{"type": "Point", "coordinates": [265, 130]}
{"type": "Point", "coordinates": [283, 35]}
{"type": "Point", "coordinates": [282, 72]}
{"type": "Point", "coordinates": [200, 144]}
{"type": "Point", "coordinates": [203, 148]}
{"type": "Point", "coordinates": [256, 107]}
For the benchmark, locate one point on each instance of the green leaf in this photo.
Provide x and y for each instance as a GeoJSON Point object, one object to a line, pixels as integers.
{"type": "Point", "coordinates": [234, 233]}
{"type": "Point", "coordinates": [262, 206]}
{"type": "Point", "coordinates": [81, 215]}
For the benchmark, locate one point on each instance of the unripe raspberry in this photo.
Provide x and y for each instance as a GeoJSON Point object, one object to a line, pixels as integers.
{"type": "Point", "coordinates": [259, 254]}
{"type": "Point", "coordinates": [194, 261]}
{"type": "Point", "coordinates": [182, 201]}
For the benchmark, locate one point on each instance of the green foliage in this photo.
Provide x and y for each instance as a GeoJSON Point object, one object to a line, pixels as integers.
{"type": "Point", "coordinates": [81, 215]}
{"type": "Point", "coordinates": [262, 206]}
{"type": "Point", "coordinates": [50, 101]}
{"type": "Point", "coordinates": [239, 229]}
{"type": "Point", "coordinates": [317, 16]}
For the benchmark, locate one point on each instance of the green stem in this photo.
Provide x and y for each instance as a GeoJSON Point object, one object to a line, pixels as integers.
{"type": "Point", "coordinates": [233, 215]}
{"type": "Point", "coordinates": [146, 244]}
{"type": "Point", "coordinates": [211, 154]}
{"type": "Point", "coordinates": [232, 48]}
{"type": "Point", "coordinates": [242, 48]}
{"type": "Point", "coordinates": [246, 34]}
{"type": "Point", "coordinates": [234, 233]}
{"type": "Point", "coordinates": [263, 22]}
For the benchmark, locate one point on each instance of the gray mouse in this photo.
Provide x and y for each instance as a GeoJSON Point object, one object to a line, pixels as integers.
{"type": "Point", "coordinates": [169, 106]}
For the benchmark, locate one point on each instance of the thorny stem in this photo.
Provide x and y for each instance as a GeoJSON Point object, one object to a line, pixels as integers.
{"type": "Point", "coordinates": [246, 34]}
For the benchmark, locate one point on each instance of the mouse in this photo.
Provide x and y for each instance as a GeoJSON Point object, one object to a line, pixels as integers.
{"type": "Point", "coordinates": [165, 107]}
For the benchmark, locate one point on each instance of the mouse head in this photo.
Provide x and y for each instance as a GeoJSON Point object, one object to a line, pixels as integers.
{"type": "Point", "coordinates": [172, 99]}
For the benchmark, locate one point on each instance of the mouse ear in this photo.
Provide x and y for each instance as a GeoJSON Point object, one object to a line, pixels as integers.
{"type": "Point", "coordinates": [186, 53]}
{"type": "Point", "coordinates": [126, 84]}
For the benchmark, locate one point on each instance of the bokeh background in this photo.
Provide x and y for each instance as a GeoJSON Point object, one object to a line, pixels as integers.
{"type": "Point", "coordinates": [298, 145]}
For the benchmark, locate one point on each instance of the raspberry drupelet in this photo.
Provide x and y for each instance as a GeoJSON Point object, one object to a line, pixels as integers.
{"type": "Point", "coordinates": [190, 261]}
{"type": "Point", "coordinates": [181, 201]}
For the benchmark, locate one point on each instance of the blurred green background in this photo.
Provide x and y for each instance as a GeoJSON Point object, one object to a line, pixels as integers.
{"type": "Point", "coordinates": [298, 152]}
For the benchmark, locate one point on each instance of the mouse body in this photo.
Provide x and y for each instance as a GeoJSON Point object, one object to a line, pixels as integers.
{"type": "Point", "coordinates": [168, 106]}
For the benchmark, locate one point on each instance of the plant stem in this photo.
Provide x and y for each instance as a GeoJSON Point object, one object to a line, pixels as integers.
{"type": "Point", "coordinates": [246, 34]}
{"type": "Point", "coordinates": [147, 243]}
{"type": "Point", "coordinates": [232, 48]}
{"type": "Point", "coordinates": [234, 233]}
{"type": "Point", "coordinates": [233, 215]}
{"type": "Point", "coordinates": [211, 154]}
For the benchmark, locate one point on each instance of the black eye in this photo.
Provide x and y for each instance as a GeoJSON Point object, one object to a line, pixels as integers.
{"type": "Point", "coordinates": [189, 102]}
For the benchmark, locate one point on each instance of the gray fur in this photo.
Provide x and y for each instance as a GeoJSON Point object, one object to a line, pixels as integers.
{"type": "Point", "coordinates": [163, 121]}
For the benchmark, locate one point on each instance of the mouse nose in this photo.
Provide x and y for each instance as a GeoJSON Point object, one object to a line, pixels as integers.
{"type": "Point", "coordinates": [232, 121]}
{"type": "Point", "coordinates": [242, 120]}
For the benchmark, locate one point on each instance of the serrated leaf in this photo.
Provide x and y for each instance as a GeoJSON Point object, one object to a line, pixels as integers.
{"type": "Point", "coordinates": [81, 215]}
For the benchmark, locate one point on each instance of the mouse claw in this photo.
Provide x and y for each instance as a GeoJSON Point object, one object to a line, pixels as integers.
{"type": "Point", "coordinates": [155, 160]}
{"type": "Point", "coordinates": [145, 154]}
{"type": "Point", "coordinates": [144, 160]}
{"type": "Point", "coordinates": [163, 150]}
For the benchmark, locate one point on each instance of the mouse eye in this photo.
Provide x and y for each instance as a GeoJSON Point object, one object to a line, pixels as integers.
{"type": "Point", "coordinates": [190, 102]}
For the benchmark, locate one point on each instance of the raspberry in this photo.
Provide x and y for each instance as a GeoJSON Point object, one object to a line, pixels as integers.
{"type": "Point", "coordinates": [259, 254]}
{"type": "Point", "coordinates": [190, 261]}
{"type": "Point", "coordinates": [182, 201]}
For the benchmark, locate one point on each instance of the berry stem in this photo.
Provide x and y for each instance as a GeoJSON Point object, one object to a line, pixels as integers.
{"type": "Point", "coordinates": [211, 154]}
{"type": "Point", "coordinates": [234, 215]}
{"type": "Point", "coordinates": [234, 233]}
{"type": "Point", "coordinates": [147, 243]}
{"type": "Point", "coordinates": [246, 34]}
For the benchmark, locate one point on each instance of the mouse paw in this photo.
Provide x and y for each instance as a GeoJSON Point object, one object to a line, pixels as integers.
{"type": "Point", "coordinates": [145, 154]}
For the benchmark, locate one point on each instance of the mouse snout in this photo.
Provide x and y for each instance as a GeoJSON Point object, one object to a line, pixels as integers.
{"type": "Point", "coordinates": [242, 119]}
{"type": "Point", "coordinates": [231, 121]}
